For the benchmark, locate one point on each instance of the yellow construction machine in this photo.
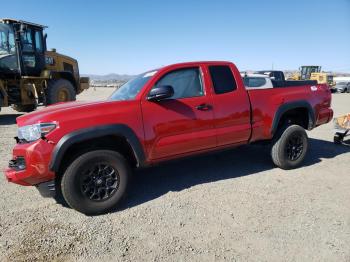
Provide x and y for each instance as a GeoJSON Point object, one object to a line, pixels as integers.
{"type": "Point", "coordinates": [313, 73]}
{"type": "Point", "coordinates": [29, 74]}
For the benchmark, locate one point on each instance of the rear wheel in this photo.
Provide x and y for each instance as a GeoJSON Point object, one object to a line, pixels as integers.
{"type": "Point", "coordinates": [60, 90]}
{"type": "Point", "coordinates": [96, 182]}
{"type": "Point", "coordinates": [24, 108]}
{"type": "Point", "coordinates": [290, 147]}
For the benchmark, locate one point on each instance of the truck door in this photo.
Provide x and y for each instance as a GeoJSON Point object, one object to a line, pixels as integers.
{"type": "Point", "coordinates": [183, 123]}
{"type": "Point", "coordinates": [231, 106]}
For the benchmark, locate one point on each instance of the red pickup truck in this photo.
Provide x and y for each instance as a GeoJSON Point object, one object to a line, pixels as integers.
{"type": "Point", "coordinates": [85, 151]}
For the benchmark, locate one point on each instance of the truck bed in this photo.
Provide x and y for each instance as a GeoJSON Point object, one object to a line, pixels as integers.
{"type": "Point", "coordinates": [265, 101]}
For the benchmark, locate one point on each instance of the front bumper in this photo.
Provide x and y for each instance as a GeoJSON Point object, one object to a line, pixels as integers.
{"type": "Point", "coordinates": [30, 163]}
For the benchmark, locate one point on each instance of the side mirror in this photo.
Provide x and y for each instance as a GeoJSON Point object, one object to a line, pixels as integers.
{"type": "Point", "coordinates": [160, 93]}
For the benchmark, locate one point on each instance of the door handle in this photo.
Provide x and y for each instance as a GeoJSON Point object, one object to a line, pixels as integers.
{"type": "Point", "coordinates": [204, 107]}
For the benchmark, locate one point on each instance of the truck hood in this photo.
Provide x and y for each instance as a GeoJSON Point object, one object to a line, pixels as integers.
{"type": "Point", "coordinates": [64, 111]}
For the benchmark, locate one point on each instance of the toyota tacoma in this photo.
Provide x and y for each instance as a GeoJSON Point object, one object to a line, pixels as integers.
{"type": "Point", "coordinates": [85, 151]}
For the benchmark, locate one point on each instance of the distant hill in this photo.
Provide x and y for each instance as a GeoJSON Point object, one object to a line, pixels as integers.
{"type": "Point", "coordinates": [123, 78]}
{"type": "Point", "coordinates": [109, 77]}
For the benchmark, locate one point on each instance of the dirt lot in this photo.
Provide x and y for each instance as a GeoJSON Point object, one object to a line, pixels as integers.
{"type": "Point", "coordinates": [231, 206]}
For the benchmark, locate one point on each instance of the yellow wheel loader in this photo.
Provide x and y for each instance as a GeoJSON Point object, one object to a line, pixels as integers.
{"type": "Point", "coordinates": [313, 73]}
{"type": "Point", "coordinates": [29, 74]}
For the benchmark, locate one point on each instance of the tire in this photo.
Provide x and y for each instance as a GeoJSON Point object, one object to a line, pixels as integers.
{"type": "Point", "coordinates": [60, 90]}
{"type": "Point", "coordinates": [86, 186]}
{"type": "Point", "coordinates": [290, 147]}
{"type": "Point", "coordinates": [24, 108]}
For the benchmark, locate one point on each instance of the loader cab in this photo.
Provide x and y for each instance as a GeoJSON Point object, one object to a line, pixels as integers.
{"type": "Point", "coordinates": [306, 71]}
{"type": "Point", "coordinates": [8, 50]}
{"type": "Point", "coordinates": [22, 47]}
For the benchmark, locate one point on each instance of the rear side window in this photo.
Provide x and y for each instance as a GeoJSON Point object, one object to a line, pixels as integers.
{"type": "Point", "coordinates": [222, 78]}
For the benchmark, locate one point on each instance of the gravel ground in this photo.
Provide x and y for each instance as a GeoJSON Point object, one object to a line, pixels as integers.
{"type": "Point", "coordinates": [230, 206]}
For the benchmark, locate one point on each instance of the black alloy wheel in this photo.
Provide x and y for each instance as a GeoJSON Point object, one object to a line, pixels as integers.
{"type": "Point", "coordinates": [99, 182]}
{"type": "Point", "coordinates": [96, 181]}
{"type": "Point", "coordinates": [289, 147]}
{"type": "Point", "coordinates": [294, 147]}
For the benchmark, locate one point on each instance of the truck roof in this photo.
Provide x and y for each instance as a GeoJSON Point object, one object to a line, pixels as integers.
{"type": "Point", "coordinates": [202, 62]}
{"type": "Point", "coordinates": [195, 63]}
{"type": "Point", "coordinates": [11, 21]}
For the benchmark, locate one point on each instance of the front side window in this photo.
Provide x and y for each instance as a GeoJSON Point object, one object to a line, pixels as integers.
{"type": "Point", "coordinates": [222, 78]}
{"type": "Point", "coordinates": [185, 82]}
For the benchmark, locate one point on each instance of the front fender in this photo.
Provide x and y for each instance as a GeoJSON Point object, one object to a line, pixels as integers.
{"type": "Point", "coordinates": [94, 132]}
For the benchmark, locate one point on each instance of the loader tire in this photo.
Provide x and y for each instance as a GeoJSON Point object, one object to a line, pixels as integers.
{"type": "Point", "coordinates": [60, 90]}
{"type": "Point", "coordinates": [24, 108]}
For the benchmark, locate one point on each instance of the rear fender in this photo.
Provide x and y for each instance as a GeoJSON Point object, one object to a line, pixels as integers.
{"type": "Point", "coordinates": [289, 106]}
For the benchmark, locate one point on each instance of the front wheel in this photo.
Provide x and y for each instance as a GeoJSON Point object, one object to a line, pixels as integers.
{"type": "Point", "coordinates": [96, 182]}
{"type": "Point", "coordinates": [289, 149]}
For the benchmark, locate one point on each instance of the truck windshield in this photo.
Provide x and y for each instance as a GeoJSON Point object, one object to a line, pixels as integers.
{"type": "Point", "coordinates": [130, 89]}
{"type": "Point", "coordinates": [8, 59]}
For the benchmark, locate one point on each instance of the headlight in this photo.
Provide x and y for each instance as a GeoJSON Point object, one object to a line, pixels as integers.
{"type": "Point", "coordinates": [31, 133]}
